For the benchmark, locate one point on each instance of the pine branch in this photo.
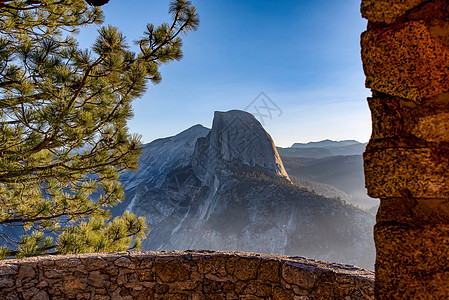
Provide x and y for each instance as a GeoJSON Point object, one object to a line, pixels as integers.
{"type": "Point", "coordinates": [56, 99]}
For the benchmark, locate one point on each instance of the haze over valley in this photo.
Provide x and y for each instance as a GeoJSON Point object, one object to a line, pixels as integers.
{"type": "Point", "coordinates": [230, 188]}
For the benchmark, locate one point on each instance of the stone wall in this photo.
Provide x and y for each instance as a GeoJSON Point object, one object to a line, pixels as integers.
{"type": "Point", "coordinates": [181, 275]}
{"type": "Point", "coordinates": [405, 53]}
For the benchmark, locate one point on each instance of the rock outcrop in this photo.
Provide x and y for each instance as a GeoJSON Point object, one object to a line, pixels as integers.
{"type": "Point", "coordinates": [405, 54]}
{"type": "Point", "coordinates": [236, 136]}
{"type": "Point", "coordinates": [181, 275]}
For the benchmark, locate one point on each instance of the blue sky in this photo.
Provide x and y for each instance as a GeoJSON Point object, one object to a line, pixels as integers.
{"type": "Point", "coordinates": [304, 55]}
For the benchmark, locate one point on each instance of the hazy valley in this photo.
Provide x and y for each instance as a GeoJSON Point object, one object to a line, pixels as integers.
{"type": "Point", "coordinates": [228, 188]}
{"type": "Point", "coordinates": [330, 168]}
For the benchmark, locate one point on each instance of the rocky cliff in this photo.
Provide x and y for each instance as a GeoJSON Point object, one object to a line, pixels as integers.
{"type": "Point", "coordinates": [236, 138]}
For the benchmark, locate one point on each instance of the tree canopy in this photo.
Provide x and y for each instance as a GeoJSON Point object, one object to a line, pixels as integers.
{"type": "Point", "coordinates": [63, 116]}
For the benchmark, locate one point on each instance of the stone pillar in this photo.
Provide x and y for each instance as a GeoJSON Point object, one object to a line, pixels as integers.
{"type": "Point", "coordinates": [405, 54]}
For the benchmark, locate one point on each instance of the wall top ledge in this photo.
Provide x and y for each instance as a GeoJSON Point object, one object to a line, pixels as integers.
{"type": "Point", "coordinates": [195, 255]}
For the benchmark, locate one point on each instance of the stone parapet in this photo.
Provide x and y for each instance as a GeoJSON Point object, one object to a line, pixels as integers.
{"type": "Point", "coordinates": [181, 275]}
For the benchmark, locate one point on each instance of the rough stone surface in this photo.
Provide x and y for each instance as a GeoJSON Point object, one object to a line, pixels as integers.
{"type": "Point", "coordinates": [405, 61]}
{"type": "Point", "coordinates": [386, 11]}
{"type": "Point", "coordinates": [405, 57]}
{"type": "Point", "coordinates": [403, 120]}
{"type": "Point", "coordinates": [435, 14]}
{"type": "Point", "coordinates": [412, 141]}
{"type": "Point", "coordinates": [414, 172]}
{"type": "Point", "coordinates": [181, 275]}
{"type": "Point", "coordinates": [423, 267]}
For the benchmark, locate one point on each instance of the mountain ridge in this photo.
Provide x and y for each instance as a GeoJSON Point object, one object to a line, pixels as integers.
{"type": "Point", "coordinates": [326, 143]}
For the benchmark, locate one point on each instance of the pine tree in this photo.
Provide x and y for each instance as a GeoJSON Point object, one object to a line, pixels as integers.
{"type": "Point", "coordinates": [63, 116]}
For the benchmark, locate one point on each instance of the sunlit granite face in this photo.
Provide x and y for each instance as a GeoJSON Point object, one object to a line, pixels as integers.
{"type": "Point", "coordinates": [237, 136]}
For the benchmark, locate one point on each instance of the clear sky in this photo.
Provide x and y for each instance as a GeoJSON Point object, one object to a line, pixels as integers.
{"type": "Point", "coordinates": [303, 55]}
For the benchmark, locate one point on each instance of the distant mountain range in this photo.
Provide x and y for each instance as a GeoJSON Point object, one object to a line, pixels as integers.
{"type": "Point", "coordinates": [226, 188]}
{"type": "Point", "coordinates": [324, 148]}
{"type": "Point", "coordinates": [326, 144]}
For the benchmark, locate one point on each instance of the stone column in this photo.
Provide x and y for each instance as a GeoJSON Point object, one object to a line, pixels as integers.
{"type": "Point", "coordinates": [405, 53]}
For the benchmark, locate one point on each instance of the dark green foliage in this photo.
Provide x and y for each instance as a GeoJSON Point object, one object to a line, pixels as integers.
{"type": "Point", "coordinates": [323, 189]}
{"type": "Point", "coordinates": [97, 2]}
{"type": "Point", "coordinates": [63, 133]}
